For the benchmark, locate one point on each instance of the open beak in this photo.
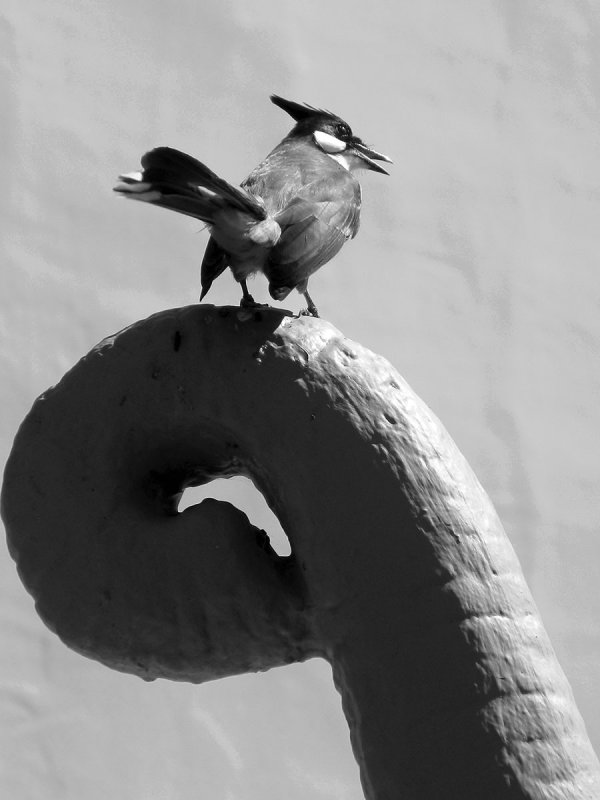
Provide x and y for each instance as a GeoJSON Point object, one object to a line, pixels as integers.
{"type": "Point", "coordinates": [370, 156]}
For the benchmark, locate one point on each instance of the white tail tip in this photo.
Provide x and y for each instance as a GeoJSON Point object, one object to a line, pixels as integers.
{"type": "Point", "coordinates": [131, 177]}
{"type": "Point", "coordinates": [132, 188]}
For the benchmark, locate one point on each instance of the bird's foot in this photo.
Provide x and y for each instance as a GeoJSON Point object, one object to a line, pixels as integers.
{"type": "Point", "coordinates": [250, 309]}
{"type": "Point", "coordinates": [311, 311]}
{"type": "Point", "coordinates": [249, 302]}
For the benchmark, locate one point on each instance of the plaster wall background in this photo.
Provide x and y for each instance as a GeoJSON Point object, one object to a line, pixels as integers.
{"type": "Point", "coordinates": [475, 273]}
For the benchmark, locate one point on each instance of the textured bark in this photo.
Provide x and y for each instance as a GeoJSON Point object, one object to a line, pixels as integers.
{"type": "Point", "coordinates": [400, 574]}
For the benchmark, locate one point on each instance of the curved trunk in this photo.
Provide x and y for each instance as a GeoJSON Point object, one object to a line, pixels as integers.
{"type": "Point", "coordinates": [400, 574]}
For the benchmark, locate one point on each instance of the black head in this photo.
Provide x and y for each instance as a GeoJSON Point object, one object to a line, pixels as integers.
{"type": "Point", "coordinates": [310, 119]}
{"type": "Point", "coordinates": [332, 134]}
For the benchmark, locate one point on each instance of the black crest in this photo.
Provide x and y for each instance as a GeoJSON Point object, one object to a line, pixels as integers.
{"type": "Point", "coordinates": [309, 119]}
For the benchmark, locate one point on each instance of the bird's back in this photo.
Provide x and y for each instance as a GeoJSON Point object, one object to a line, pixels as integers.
{"type": "Point", "coordinates": [297, 168]}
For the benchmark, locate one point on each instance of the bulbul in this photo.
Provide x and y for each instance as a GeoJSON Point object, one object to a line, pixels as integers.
{"type": "Point", "coordinates": [290, 216]}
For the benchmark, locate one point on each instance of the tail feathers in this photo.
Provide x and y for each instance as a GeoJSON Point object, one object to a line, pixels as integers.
{"type": "Point", "coordinates": [182, 199]}
{"type": "Point", "coordinates": [174, 180]}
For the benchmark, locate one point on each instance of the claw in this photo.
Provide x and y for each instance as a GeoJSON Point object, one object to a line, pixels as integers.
{"type": "Point", "coordinates": [311, 311]}
{"type": "Point", "coordinates": [248, 301]}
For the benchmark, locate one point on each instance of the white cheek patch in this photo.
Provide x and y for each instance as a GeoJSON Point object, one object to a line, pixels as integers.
{"type": "Point", "coordinates": [328, 143]}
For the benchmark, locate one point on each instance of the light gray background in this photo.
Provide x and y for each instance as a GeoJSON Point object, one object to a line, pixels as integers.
{"type": "Point", "coordinates": [475, 273]}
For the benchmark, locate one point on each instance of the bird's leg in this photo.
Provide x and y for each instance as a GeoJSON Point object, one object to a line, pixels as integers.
{"type": "Point", "coordinates": [247, 300]}
{"type": "Point", "coordinates": [311, 309]}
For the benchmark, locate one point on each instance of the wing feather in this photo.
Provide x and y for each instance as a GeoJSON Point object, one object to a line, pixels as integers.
{"type": "Point", "coordinates": [314, 226]}
{"type": "Point", "coordinates": [213, 264]}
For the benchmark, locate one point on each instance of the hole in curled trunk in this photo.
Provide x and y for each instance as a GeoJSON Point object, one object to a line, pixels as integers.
{"type": "Point", "coordinates": [243, 494]}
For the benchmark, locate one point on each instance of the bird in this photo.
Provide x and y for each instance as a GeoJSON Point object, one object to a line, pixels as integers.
{"type": "Point", "coordinates": [288, 218]}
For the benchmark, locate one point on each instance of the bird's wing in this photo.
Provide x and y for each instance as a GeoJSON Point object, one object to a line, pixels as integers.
{"type": "Point", "coordinates": [213, 264]}
{"type": "Point", "coordinates": [314, 226]}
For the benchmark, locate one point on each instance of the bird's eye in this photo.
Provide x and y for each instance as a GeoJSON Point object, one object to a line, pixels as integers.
{"type": "Point", "coordinates": [343, 131]}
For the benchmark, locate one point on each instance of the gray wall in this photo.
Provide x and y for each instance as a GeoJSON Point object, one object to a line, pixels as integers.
{"type": "Point", "coordinates": [475, 273]}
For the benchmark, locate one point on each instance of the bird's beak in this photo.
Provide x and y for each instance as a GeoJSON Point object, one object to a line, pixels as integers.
{"type": "Point", "coordinates": [370, 156]}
